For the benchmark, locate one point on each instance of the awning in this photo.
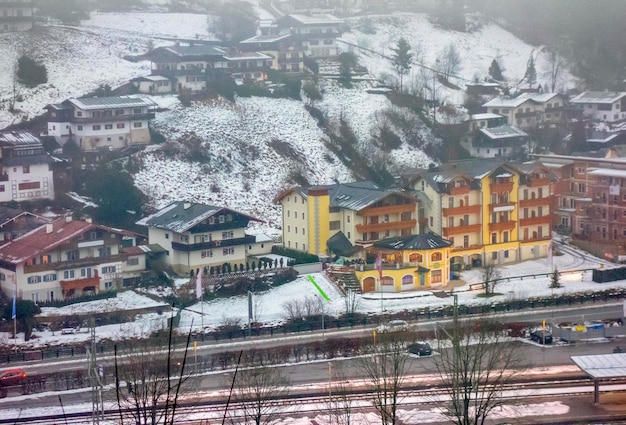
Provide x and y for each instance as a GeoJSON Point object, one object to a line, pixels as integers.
{"type": "Point", "coordinates": [422, 270]}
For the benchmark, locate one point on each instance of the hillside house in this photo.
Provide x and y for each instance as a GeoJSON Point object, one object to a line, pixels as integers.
{"type": "Point", "coordinates": [345, 219]}
{"type": "Point", "coordinates": [486, 120]}
{"type": "Point", "coordinates": [68, 257]}
{"type": "Point", "coordinates": [153, 84]}
{"type": "Point", "coordinates": [196, 236]}
{"type": "Point", "coordinates": [317, 35]}
{"type": "Point", "coordinates": [528, 110]}
{"type": "Point", "coordinates": [25, 171]}
{"type": "Point", "coordinates": [286, 55]}
{"type": "Point", "coordinates": [101, 123]}
{"type": "Point", "coordinates": [600, 105]}
{"type": "Point", "coordinates": [503, 141]}
{"type": "Point", "coordinates": [16, 15]}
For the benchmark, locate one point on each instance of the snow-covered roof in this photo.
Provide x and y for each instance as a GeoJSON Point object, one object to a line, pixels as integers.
{"type": "Point", "coordinates": [87, 103]}
{"type": "Point", "coordinates": [235, 56]}
{"type": "Point", "coordinates": [151, 78]}
{"type": "Point", "coordinates": [608, 172]}
{"type": "Point", "coordinates": [265, 38]}
{"type": "Point", "coordinates": [598, 97]}
{"type": "Point", "coordinates": [602, 365]}
{"type": "Point", "coordinates": [195, 50]}
{"type": "Point", "coordinates": [507, 102]}
{"type": "Point", "coordinates": [181, 216]}
{"type": "Point", "coordinates": [18, 138]}
{"type": "Point", "coordinates": [502, 132]}
{"type": "Point", "coordinates": [321, 19]}
{"type": "Point", "coordinates": [484, 116]}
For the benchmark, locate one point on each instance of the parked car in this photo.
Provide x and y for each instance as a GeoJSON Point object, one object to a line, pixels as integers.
{"type": "Point", "coordinates": [393, 326]}
{"type": "Point", "coordinates": [539, 334]}
{"type": "Point", "coordinates": [12, 377]}
{"type": "Point", "coordinates": [421, 348]}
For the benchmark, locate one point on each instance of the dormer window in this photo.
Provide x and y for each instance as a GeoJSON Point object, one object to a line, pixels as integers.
{"type": "Point", "coordinates": [221, 218]}
{"type": "Point", "coordinates": [211, 220]}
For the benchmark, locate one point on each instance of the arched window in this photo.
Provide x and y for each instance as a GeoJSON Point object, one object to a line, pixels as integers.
{"type": "Point", "coordinates": [416, 257]}
{"type": "Point", "coordinates": [436, 256]}
{"type": "Point", "coordinates": [407, 279]}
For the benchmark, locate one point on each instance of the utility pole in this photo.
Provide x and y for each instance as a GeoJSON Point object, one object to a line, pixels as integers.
{"type": "Point", "coordinates": [96, 376]}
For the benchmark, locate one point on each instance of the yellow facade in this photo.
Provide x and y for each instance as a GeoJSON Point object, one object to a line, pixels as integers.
{"type": "Point", "coordinates": [318, 212]}
{"type": "Point", "coordinates": [408, 270]}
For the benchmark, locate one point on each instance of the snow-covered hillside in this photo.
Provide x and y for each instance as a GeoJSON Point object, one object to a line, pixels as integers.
{"type": "Point", "coordinates": [255, 144]}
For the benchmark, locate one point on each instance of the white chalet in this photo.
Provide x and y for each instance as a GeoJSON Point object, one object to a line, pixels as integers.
{"type": "Point", "coordinates": [195, 236]}
{"type": "Point", "coordinates": [16, 15]}
{"type": "Point", "coordinates": [25, 168]}
{"type": "Point", "coordinates": [317, 35]}
{"type": "Point", "coordinates": [101, 123]}
{"type": "Point", "coordinates": [528, 109]}
{"type": "Point", "coordinates": [601, 105]}
{"type": "Point", "coordinates": [69, 257]}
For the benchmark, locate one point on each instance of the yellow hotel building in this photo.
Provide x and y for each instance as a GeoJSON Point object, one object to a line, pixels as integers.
{"type": "Point", "coordinates": [493, 211]}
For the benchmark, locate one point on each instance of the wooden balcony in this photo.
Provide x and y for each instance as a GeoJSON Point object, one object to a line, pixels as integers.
{"type": "Point", "coordinates": [501, 187]}
{"type": "Point", "coordinates": [463, 248]}
{"type": "Point", "coordinates": [389, 225]}
{"type": "Point", "coordinates": [467, 209]}
{"type": "Point", "coordinates": [502, 226]}
{"type": "Point", "coordinates": [501, 204]}
{"type": "Point", "coordinates": [389, 209]}
{"type": "Point", "coordinates": [74, 264]}
{"type": "Point", "coordinates": [539, 182]}
{"type": "Point", "coordinates": [461, 230]}
{"type": "Point", "coordinates": [460, 190]}
{"type": "Point", "coordinates": [537, 202]}
{"type": "Point", "coordinates": [544, 238]}
{"type": "Point", "coordinates": [533, 221]}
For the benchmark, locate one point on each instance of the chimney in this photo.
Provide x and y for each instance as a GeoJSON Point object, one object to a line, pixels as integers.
{"type": "Point", "coordinates": [49, 228]}
{"type": "Point", "coordinates": [187, 205]}
{"type": "Point", "coordinates": [88, 220]}
{"type": "Point", "coordinates": [68, 218]}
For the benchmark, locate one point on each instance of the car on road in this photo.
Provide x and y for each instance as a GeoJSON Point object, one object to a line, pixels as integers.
{"type": "Point", "coordinates": [12, 377]}
{"type": "Point", "coordinates": [421, 348]}
{"type": "Point", "coordinates": [393, 326]}
{"type": "Point", "coordinates": [541, 336]}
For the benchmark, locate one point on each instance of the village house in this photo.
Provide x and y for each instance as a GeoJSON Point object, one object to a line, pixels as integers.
{"type": "Point", "coordinates": [286, 55]}
{"type": "Point", "coordinates": [197, 236]}
{"type": "Point", "coordinates": [16, 15]}
{"type": "Point", "coordinates": [528, 110]}
{"type": "Point", "coordinates": [600, 105]}
{"type": "Point", "coordinates": [344, 219]}
{"type": "Point", "coordinates": [504, 141]}
{"type": "Point", "coordinates": [589, 202]}
{"type": "Point", "coordinates": [101, 123]}
{"type": "Point", "coordinates": [15, 223]}
{"type": "Point", "coordinates": [153, 84]}
{"type": "Point", "coordinates": [317, 34]}
{"type": "Point", "coordinates": [25, 173]}
{"type": "Point", "coordinates": [66, 258]}
{"type": "Point", "coordinates": [492, 211]}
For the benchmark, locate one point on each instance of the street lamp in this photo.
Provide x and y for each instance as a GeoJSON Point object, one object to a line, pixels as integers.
{"type": "Point", "coordinates": [321, 301]}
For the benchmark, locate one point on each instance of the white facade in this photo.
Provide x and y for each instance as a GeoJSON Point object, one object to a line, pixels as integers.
{"type": "Point", "coordinates": [101, 123]}
{"type": "Point", "coordinates": [16, 15]}
{"type": "Point", "coordinates": [26, 183]}
{"type": "Point", "coordinates": [601, 106]}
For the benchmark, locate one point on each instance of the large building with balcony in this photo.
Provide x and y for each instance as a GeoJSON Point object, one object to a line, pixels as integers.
{"type": "Point", "coordinates": [600, 105]}
{"type": "Point", "coordinates": [16, 15]}
{"type": "Point", "coordinates": [589, 202]}
{"type": "Point", "coordinates": [345, 219]}
{"type": "Point", "coordinates": [101, 123]}
{"type": "Point", "coordinates": [25, 168]}
{"type": "Point", "coordinates": [528, 110]}
{"type": "Point", "coordinates": [492, 211]}
{"type": "Point", "coordinates": [316, 34]}
{"type": "Point", "coordinates": [197, 236]}
{"type": "Point", "coordinates": [66, 257]}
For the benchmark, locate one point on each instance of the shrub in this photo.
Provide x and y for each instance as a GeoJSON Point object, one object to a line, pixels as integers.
{"type": "Point", "coordinates": [31, 73]}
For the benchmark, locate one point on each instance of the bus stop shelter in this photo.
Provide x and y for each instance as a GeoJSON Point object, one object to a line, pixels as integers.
{"type": "Point", "coordinates": [601, 367]}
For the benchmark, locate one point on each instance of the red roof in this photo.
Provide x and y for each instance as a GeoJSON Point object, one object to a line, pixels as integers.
{"type": "Point", "coordinates": [133, 250]}
{"type": "Point", "coordinates": [42, 240]}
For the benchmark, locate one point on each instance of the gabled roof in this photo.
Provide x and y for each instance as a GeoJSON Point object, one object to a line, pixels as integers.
{"type": "Point", "coordinates": [598, 97]}
{"type": "Point", "coordinates": [265, 38]}
{"type": "Point", "coordinates": [484, 116]}
{"type": "Point", "coordinates": [18, 139]}
{"type": "Point", "coordinates": [414, 242]}
{"type": "Point", "coordinates": [321, 19]}
{"type": "Point", "coordinates": [193, 51]}
{"type": "Point", "coordinates": [507, 102]}
{"type": "Point", "coordinates": [340, 245]}
{"type": "Point", "coordinates": [42, 239]}
{"type": "Point", "coordinates": [352, 196]}
{"type": "Point", "coordinates": [469, 169]}
{"type": "Point", "coordinates": [181, 216]}
{"type": "Point", "coordinates": [235, 56]}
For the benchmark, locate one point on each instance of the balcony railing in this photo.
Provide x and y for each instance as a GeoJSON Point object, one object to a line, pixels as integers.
{"type": "Point", "coordinates": [389, 225]}
{"type": "Point", "coordinates": [389, 209]}
{"type": "Point", "coordinates": [460, 190]}
{"type": "Point", "coordinates": [538, 182]}
{"type": "Point", "coordinates": [467, 209]}
{"type": "Point", "coordinates": [545, 219]}
{"type": "Point", "coordinates": [502, 226]}
{"type": "Point", "coordinates": [125, 117]}
{"type": "Point", "coordinates": [461, 230]}
{"type": "Point", "coordinates": [501, 187]}
{"type": "Point", "coordinates": [213, 244]}
{"type": "Point", "coordinates": [537, 239]}
{"type": "Point", "coordinates": [501, 204]}
{"type": "Point", "coordinates": [465, 248]}
{"type": "Point", "coordinates": [536, 202]}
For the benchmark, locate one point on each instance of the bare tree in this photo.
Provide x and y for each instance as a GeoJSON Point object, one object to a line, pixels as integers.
{"type": "Point", "coordinates": [449, 61]}
{"type": "Point", "coordinates": [491, 274]}
{"type": "Point", "coordinates": [386, 371]}
{"type": "Point", "coordinates": [351, 302]}
{"type": "Point", "coordinates": [556, 65]}
{"type": "Point", "coordinates": [341, 409]}
{"type": "Point", "coordinates": [476, 361]}
{"type": "Point", "coordinates": [255, 389]}
{"type": "Point", "coordinates": [149, 381]}
{"type": "Point", "coordinates": [302, 309]}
